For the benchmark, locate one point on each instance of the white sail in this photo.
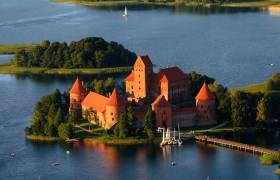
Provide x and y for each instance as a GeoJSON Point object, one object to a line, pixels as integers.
{"type": "Point", "coordinates": [125, 12]}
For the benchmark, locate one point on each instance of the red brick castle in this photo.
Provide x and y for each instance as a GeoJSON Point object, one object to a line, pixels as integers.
{"type": "Point", "coordinates": [167, 92]}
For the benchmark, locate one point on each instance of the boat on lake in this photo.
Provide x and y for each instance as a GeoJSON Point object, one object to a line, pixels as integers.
{"type": "Point", "coordinates": [125, 14]}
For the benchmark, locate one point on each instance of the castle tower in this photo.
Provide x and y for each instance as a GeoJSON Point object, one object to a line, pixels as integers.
{"type": "Point", "coordinates": [163, 112]}
{"type": "Point", "coordinates": [138, 83]}
{"type": "Point", "coordinates": [115, 106]}
{"type": "Point", "coordinates": [77, 95]}
{"type": "Point", "coordinates": [205, 106]}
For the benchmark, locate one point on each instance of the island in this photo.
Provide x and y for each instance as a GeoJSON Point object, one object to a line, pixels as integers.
{"type": "Point", "coordinates": [131, 111]}
{"type": "Point", "coordinates": [90, 55]}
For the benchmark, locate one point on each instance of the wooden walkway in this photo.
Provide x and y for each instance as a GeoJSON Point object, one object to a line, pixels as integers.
{"type": "Point", "coordinates": [236, 145]}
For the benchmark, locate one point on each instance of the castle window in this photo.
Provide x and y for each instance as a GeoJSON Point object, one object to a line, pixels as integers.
{"type": "Point", "coordinates": [139, 75]}
{"type": "Point", "coordinates": [139, 82]}
{"type": "Point", "coordinates": [112, 114]}
{"type": "Point", "coordinates": [112, 119]}
{"type": "Point", "coordinates": [131, 87]}
{"type": "Point", "coordinates": [139, 88]}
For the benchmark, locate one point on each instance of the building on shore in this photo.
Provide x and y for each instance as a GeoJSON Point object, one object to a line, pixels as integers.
{"type": "Point", "coordinates": [167, 92]}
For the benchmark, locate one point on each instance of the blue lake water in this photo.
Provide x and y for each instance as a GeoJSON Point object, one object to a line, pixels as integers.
{"type": "Point", "coordinates": [234, 48]}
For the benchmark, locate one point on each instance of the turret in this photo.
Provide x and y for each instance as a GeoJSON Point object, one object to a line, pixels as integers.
{"type": "Point", "coordinates": [206, 105]}
{"type": "Point", "coordinates": [77, 95]}
{"type": "Point", "coordinates": [115, 106]}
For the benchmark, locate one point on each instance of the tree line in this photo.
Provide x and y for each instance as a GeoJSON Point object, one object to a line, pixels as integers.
{"type": "Point", "coordinates": [51, 118]}
{"type": "Point", "coordinates": [91, 52]}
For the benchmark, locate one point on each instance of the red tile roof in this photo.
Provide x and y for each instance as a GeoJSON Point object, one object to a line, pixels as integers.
{"type": "Point", "coordinates": [115, 99]}
{"type": "Point", "coordinates": [172, 74]}
{"type": "Point", "coordinates": [205, 93]}
{"type": "Point", "coordinates": [95, 101]}
{"type": "Point", "coordinates": [146, 60]}
{"type": "Point", "coordinates": [160, 102]}
{"type": "Point", "coordinates": [130, 77]}
{"type": "Point", "coordinates": [77, 88]}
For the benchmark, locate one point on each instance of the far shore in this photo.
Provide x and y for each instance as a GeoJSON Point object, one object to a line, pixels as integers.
{"type": "Point", "coordinates": [14, 48]}
{"type": "Point", "coordinates": [10, 69]}
{"type": "Point", "coordinates": [253, 4]}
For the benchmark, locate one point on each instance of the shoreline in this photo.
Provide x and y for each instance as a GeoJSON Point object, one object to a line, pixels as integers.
{"type": "Point", "coordinates": [110, 140]}
{"type": "Point", "coordinates": [10, 69]}
{"type": "Point", "coordinates": [263, 5]}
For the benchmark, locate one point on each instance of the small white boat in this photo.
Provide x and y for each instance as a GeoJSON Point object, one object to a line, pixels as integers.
{"type": "Point", "coordinates": [67, 152]}
{"type": "Point", "coordinates": [271, 64]}
{"type": "Point", "coordinates": [179, 141]}
{"type": "Point", "coordinates": [173, 163]}
{"type": "Point", "coordinates": [125, 12]}
{"type": "Point", "coordinates": [55, 163]}
{"type": "Point", "coordinates": [72, 140]}
{"type": "Point", "coordinates": [13, 154]}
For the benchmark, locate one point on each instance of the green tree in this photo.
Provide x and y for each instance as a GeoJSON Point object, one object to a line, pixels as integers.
{"type": "Point", "coordinates": [150, 123]}
{"type": "Point", "coordinates": [131, 120]}
{"type": "Point", "coordinates": [123, 126]}
{"type": "Point", "coordinates": [51, 114]}
{"type": "Point", "coordinates": [65, 131]}
{"type": "Point", "coordinates": [58, 118]}
{"type": "Point", "coordinates": [243, 109]}
{"type": "Point", "coordinates": [223, 100]}
{"type": "Point", "coordinates": [263, 110]}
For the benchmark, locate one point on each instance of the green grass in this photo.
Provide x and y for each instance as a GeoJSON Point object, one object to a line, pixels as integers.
{"type": "Point", "coordinates": [13, 48]}
{"type": "Point", "coordinates": [129, 140]}
{"type": "Point", "coordinates": [42, 138]}
{"type": "Point", "coordinates": [10, 69]}
{"type": "Point", "coordinates": [277, 171]}
{"type": "Point", "coordinates": [254, 88]}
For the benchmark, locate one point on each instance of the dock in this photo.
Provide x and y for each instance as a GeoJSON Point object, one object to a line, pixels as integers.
{"type": "Point", "coordinates": [236, 145]}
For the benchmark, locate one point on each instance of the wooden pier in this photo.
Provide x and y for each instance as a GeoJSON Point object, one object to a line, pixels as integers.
{"type": "Point", "coordinates": [236, 145]}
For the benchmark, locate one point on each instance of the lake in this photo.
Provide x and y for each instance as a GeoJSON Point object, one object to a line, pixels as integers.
{"type": "Point", "coordinates": [233, 47]}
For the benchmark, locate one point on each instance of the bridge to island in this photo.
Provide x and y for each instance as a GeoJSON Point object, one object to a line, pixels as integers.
{"type": "Point", "coordinates": [236, 145]}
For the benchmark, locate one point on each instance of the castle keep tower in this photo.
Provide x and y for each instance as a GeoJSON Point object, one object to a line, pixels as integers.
{"type": "Point", "coordinates": [77, 95]}
{"type": "Point", "coordinates": [205, 106]}
{"type": "Point", "coordinates": [115, 106]}
{"type": "Point", "coordinates": [138, 83]}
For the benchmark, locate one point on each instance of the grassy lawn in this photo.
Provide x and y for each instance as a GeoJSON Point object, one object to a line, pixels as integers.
{"type": "Point", "coordinates": [251, 88]}
{"type": "Point", "coordinates": [13, 48]}
{"type": "Point", "coordinates": [10, 69]}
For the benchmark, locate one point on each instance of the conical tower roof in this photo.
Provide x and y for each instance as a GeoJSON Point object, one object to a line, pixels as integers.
{"type": "Point", "coordinates": [115, 99]}
{"type": "Point", "coordinates": [205, 93]}
{"type": "Point", "coordinates": [77, 88]}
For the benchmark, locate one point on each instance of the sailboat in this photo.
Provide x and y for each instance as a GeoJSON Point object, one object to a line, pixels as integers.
{"type": "Point", "coordinates": [180, 142]}
{"type": "Point", "coordinates": [125, 12]}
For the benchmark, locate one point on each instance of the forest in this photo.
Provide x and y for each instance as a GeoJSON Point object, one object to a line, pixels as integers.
{"type": "Point", "coordinates": [91, 52]}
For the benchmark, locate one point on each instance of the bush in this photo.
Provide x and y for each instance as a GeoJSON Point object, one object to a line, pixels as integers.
{"type": "Point", "coordinates": [268, 159]}
{"type": "Point", "coordinates": [277, 171]}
